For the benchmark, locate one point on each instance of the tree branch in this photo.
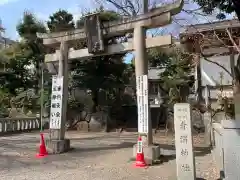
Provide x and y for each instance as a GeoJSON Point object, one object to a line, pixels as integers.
{"type": "Point", "coordinates": [119, 7]}
{"type": "Point", "coordinates": [134, 13]}
{"type": "Point", "coordinates": [232, 40]}
{"type": "Point", "coordinates": [127, 7]}
{"type": "Point", "coordinates": [216, 63]}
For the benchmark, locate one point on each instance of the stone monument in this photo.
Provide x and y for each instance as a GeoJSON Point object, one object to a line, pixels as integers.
{"type": "Point", "coordinates": [184, 142]}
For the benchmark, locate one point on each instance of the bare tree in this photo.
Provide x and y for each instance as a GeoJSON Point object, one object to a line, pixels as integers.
{"type": "Point", "coordinates": [189, 15]}
{"type": "Point", "coordinates": [124, 7]}
{"type": "Point", "coordinates": [130, 7]}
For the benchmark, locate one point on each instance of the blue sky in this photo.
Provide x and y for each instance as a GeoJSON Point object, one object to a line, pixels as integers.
{"type": "Point", "coordinates": [11, 12]}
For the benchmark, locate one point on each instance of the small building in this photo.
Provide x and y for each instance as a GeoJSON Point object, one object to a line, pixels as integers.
{"type": "Point", "coordinates": [5, 42]}
{"type": "Point", "coordinates": [214, 56]}
{"type": "Point", "coordinates": [154, 85]}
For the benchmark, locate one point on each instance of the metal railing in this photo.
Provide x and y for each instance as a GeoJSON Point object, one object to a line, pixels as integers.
{"type": "Point", "coordinates": [14, 125]}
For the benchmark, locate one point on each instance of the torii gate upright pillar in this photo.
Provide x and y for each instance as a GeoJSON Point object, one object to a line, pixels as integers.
{"type": "Point", "coordinates": [151, 152]}
{"type": "Point", "coordinates": [57, 142]}
{"type": "Point", "coordinates": [141, 67]}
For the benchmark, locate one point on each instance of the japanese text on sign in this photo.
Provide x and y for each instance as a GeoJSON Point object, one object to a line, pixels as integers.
{"type": "Point", "coordinates": [140, 147]}
{"type": "Point", "coordinates": [142, 102]}
{"type": "Point", "coordinates": [56, 102]}
{"type": "Point", "coordinates": [183, 141]}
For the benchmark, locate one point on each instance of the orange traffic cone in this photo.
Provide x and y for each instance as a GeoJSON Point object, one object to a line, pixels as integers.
{"type": "Point", "coordinates": [42, 148]}
{"type": "Point", "coordinates": [140, 162]}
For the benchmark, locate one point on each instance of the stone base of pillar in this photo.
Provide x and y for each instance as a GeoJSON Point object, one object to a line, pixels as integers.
{"type": "Point", "coordinates": [58, 146]}
{"type": "Point", "coordinates": [151, 153]}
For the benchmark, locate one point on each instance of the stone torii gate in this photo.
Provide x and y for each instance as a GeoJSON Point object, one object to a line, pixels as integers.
{"type": "Point", "coordinates": [96, 32]}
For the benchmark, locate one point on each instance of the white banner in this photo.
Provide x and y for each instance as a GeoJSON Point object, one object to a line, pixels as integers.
{"type": "Point", "coordinates": [56, 102]}
{"type": "Point", "coordinates": [142, 103]}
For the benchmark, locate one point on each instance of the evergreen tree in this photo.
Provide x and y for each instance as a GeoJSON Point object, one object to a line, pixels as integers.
{"type": "Point", "coordinates": [102, 72]}
{"type": "Point", "coordinates": [60, 21]}
{"type": "Point", "coordinates": [225, 6]}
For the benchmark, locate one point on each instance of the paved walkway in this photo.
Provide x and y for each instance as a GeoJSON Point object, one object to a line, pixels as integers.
{"type": "Point", "coordinates": [95, 156]}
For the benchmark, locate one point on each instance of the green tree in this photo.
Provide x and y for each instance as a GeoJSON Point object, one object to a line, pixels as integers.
{"type": "Point", "coordinates": [23, 59]}
{"type": "Point", "coordinates": [208, 6]}
{"type": "Point", "coordinates": [157, 58]}
{"type": "Point", "coordinates": [27, 30]}
{"type": "Point", "coordinates": [105, 16]}
{"type": "Point", "coordinates": [17, 62]}
{"type": "Point", "coordinates": [103, 72]}
{"type": "Point", "coordinates": [177, 78]}
{"type": "Point", "coordinates": [60, 21]}
{"type": "Point", "coordinates": [29, 26]}
{"type": "Point", "coordinates": [17, 77]}
{"type": "Point", "coordinates": [4, 99]}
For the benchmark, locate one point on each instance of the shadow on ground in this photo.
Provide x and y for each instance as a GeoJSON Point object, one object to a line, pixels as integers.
{"type": "Point", "coordinates": [74, 157]}
{"type": "Point", "coordinates": [103, 148]}
{"type": "Point", "coordinates": [82, 148]}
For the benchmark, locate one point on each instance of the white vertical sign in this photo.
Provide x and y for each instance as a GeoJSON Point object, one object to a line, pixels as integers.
{"type": "Point", "coordinates": [183, 142]}
{"type": "Point", "coordinates": [142, 103]}
{"type": "Point", "coordinates": [56, 102]}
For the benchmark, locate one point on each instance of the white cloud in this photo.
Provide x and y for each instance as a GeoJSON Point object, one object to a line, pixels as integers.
{"type": "Point", "coordinates": [2, 2]}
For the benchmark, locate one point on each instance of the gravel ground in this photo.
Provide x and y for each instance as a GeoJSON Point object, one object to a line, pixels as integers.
{"type": "Point", "coordinates": [96, 156]}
